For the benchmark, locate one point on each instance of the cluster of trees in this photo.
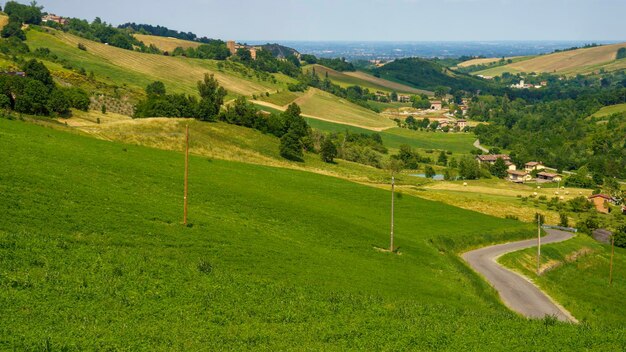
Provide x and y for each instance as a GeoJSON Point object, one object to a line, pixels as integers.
{"type": "Point", "coordinates": [159, 31]}
{"type": "Point", "coordinates": [159, 103]}
{"type": "Point", "coordinates": [18, 15]}
{"type": "Point", "coordinates": [37, 94]}
{"type": "Point", "coordinates": [102, 32]}
{"type": "Point", "coordinates": [212, 50]}
{"type": "Point", "coordinates": [621, 54]}
{"type": "Point", "coordinates": [337, 64]}
{"type": "Point", "coordinates": [427, 74]}
{"type": "Point", "coordinates": [557, 132]}
{"type": "Point", "coordinates": [267, 62]}
{"type": "Point", "coordinates": [363, 148]}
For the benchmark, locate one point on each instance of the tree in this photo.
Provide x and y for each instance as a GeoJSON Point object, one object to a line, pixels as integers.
{"type": "Point", "coordinates": [212, 97]}
{"type": "Point", "coordinates": [429, 172]}
{"type": "Point", "coordinates": [103, 109]}
{"type": "Point", "coordinates": [394, 96]}
{"type": "Point", "coordinates": [13, 29]}
{"type": "Point", "coordinates": [499, 168]}
{"type": "Point", "coordinates": [290, 147]}
{"type": "Point", "coordinates": [443, 158]}
{"type": "Point", "coordinates": [328, 151]}
{"type": "Point", "coordinates": [440, 92]}
{"type": "Point", "coordinates": [36, 70]}
{"type": "Point", "coordinates": [155, 88]}
{"type": "Point", "coordinates": [33, 99]}
{"type": "Point", "coordinates": [563, 220]}
{"type": "Point", "coordinates": [469, 169]}
{"type": "Point", "coordinates": [58, 102]}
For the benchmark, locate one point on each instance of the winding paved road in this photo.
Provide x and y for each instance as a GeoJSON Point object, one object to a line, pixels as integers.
{"type": "Point", "coordinates": [477, 145]}
{"type": "Point", "coordinates": [516, 291]}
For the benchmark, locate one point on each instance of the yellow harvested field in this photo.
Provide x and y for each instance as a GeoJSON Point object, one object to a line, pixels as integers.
{"type": "Point", "coordinates": [4, 19]}
{"type": "Point", "coordinates": [572, 62]}
{"type": "Point", "coordinates": [174, 71]}
{"type": "Point", "coordinates": [166, 43]}
{"type": "Point", "coordinates": [483, 61]}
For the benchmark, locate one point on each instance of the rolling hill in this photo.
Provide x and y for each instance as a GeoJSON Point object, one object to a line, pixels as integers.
{"type": "Point", "coordinates": [93, 256]}
{"type": "Point", "coordinates": [428, 75]}
{"type": "Point", "coordinates": [363, 79]}
{"type": "Point", "coordinates": [133, 69]}
{"type": "Point", "coordinates": [484, 61]}
{"type": "Point", "coordinates": [571, 62]}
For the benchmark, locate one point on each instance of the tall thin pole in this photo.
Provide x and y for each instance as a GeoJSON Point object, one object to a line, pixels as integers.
{"type": "Point", "coordinates": [611, 265]}
{"type": "Point", "coordinates": [538, 243]}
{"type": "Point", "coordinates": [392, 205]}
{"type": "Point", "coordinates": [186, 173]}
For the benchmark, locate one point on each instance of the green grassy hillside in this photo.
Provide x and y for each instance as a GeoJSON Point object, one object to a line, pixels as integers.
{"type": "Point", "coordinates": [577, 275]}
{"type": "Point", "coordinates": [425, 74]}
{"type": "Point", "coordinates": [395, 137]}
{"type": "Point", "coordinates": [345, 79]}
{"type": "Point", "coordinates": [136, 70]}
{"type": "Point", "coordinates": [93, 256]}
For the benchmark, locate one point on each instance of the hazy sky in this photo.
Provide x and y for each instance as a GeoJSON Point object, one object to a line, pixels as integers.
{"type": "Point", "coordinates": [386, 20]}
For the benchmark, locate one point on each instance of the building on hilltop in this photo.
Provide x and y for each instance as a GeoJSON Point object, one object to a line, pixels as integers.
{"type": "Point", "coordinates": [54, 18]}
{"type": "Point", "coordinates": [233, 47]}
{"type": "Point", "coordinates": [435, 105]}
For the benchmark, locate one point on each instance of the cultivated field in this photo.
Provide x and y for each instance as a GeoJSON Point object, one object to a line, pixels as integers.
{"type": "Point", "coordinates": [484, 61]}
{"type": "Point", "coordinates": [166, 43]}
{"type": "Point", "coordinates": [318, 103]}
{"type": "Point", "coordinates": [4, 19]}
{"type": "Point", "coordinates": [128, 68]}
{"type": "Point", "coordinates": [576, 274]}
{"type": "Point", "coordinates": [580, 61]}
{"type": "Point", "coordinates": [362, 79]}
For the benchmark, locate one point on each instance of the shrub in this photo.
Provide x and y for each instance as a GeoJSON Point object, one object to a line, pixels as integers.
{"type": "Point", "coordinates": [82, 47]}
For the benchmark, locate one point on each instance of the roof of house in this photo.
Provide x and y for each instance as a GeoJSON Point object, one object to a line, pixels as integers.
{"type": "Point", "coordinates": [607, 197]}
{"type": "Point", "coordinates": [547, 174]}
{"type": "Point", "coordinates": [517, 172]}
{"type": "Point", "coordinates": [534, 163]}
{"type": "Point", "coordinates": [493, 157]}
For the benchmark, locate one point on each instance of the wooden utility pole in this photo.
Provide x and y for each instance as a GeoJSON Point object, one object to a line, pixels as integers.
{"type": "Point", "coordinates": [611, 265]}
{"type": "Point", "coordinates": [538, 244]}
{"type": "Point", "coordinates": [392, 201]}
{"type": "Point", "coordinates": [186, 174]}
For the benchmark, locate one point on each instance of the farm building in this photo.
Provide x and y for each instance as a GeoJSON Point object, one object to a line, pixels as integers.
{"type": "Point", "coordinates": [404, 98]}
{"type": "Point", "coordinates": [601, 202]}
{"type": "Point", "coordinates": [435, 105]}
{"type": "Point", "coordinates": [491, 159]}
{"type": "Point", "coordinates": [461, 124]}
{"type": "Point", "coordinates": [518, 176]}
{"type": "Point", "coordinates": [233, 47]}
{"type": "Point", "coordinates": [548, 177]}
{"type": "Point", "coordinates": [54, 18]}
{"type": "Point", "coordinates": [534, 165]}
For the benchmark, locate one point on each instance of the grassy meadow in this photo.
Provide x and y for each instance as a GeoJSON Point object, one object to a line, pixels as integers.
{"type": "Point", "coordinates": [576, 274]}
{"type": "Point", "coordinates": [136, 70]}
{"type": "Point", "coordinates": [610, 110]}
{"type": "Point", "coordinates": [93, 257]}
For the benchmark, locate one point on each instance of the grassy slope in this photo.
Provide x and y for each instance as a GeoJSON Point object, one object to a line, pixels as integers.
{"type": "Point", "coordinates": [362, 79]}
{"type": "Point", "coordinates": [124, 67]}
{"type": "Point", "coordinates": [577, 277]}
{"type": "Point", "coordinates": [610, 110]}
{"type": "Point", "coordinates": [458, 143]}
{"type": "Point", "coordinates": [93, 257]}
{"type": "Point", "coordinates": [483, 61]}
{"type": "Point", "coordinates": [4, 20]}
{"type": "Point", "coordinates": [166, 43]}
{"type": "Point", "coordinates": [322, 104]}
{"type": "Point", "coordinates": [571, 62]}
{"type": "Point", "coordinates": [219, 140]}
